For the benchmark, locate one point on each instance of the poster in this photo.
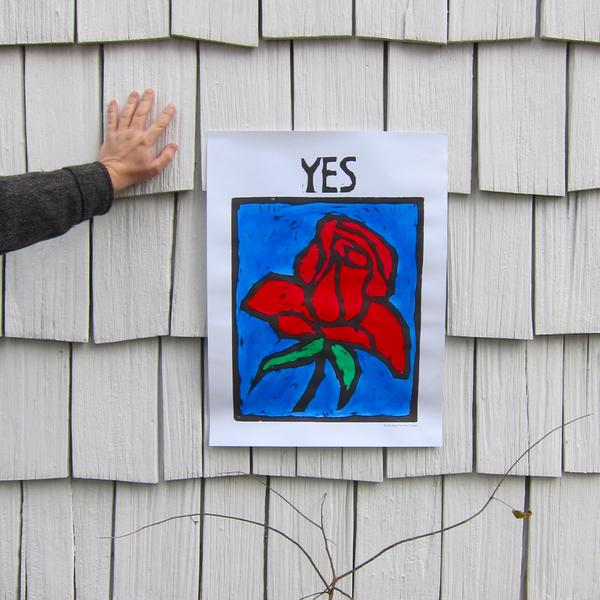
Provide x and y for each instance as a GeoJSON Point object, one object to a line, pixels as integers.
{"type": "Point", "coordinates": [326, 260]}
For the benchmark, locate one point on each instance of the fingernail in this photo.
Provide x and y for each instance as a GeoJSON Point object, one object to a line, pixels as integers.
{"type": "Point", "coordinates": [171, 106]}
{"type": "Point", "coordinates": [149, 91]}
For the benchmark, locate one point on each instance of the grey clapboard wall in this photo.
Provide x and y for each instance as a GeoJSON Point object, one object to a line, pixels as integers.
{"type": "Point", "coordinates": [103, 412]}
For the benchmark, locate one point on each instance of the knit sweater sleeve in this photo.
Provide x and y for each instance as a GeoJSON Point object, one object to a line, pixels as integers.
{"type": "Point", "coordinates": [39, 206]}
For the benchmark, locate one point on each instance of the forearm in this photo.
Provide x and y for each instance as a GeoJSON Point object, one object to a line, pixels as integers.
{"type": "Point", "coordinates": [39, 206]}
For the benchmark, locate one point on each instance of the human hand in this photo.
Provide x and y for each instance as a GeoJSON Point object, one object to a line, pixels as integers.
{"type": "Point", "coordinates": [128, 149]}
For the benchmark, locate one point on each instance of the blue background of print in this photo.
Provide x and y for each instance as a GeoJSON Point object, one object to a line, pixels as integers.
{"type": "Point", "coordinates": [270, 235]}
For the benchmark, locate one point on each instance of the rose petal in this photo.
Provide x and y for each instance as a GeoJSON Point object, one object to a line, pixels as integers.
{"type": "Point", "coordinates": [324, 299]}
{"type": "Point", "coordinates": [293, 325]}
{"type": "Point", "coordinates": [317, 255]}
{"type": "Point", "coordinates": [274, 295]}
{"type": "Point", "coordinates": [349, 335]}
{"type": "Point", "coordinates": [333, 232]}
{"type": "Point", "coordinates": [390, 336]}
{"type": "Point", "coordinates": [357, 258]}
{"type": "Point", "coordinates": [380, 247]}
{"type": "Point", "coordinates": [327, 232]}
{"type": "Point", "coordinates": [352, 290]}
{"type": "Point", "coordinates": [378, 286]}
{"type": "Point", "coordinates": [306, 264]}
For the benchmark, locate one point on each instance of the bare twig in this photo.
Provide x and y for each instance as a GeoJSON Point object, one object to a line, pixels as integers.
{"type": "Point", "coordinates": [322, 528]}
{"type": "Point", "coordinates": [342, 592]}
{"type": "Point", "coordinates": [314, 595]}
{"type": "Point", "coordinates": [332, 586]}
{"type": "Point", "coordinates": [505, 503]}
{"type": "Point", "coordinates": [296, 509]}
{"type": "Point", "coordinates": [414, 538]}
{"type": "Point", "coordinates": [220, 516]}
{"type": "Point", "coordinates": [278, 494]}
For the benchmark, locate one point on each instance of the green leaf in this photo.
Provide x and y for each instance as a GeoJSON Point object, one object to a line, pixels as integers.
{"type": "Point", "coordinates": [345, 364]}
{"type": "Point", "coordinates": [292, 355]}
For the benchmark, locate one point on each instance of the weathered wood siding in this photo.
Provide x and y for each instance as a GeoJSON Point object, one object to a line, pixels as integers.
{"type": "Point", "coordinates": [102, 358]}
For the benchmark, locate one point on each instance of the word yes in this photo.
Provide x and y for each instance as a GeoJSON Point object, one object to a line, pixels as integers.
{"type": "Point", "coordinates": [327, 172]}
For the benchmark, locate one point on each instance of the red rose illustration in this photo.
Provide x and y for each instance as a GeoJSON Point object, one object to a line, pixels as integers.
{"type": "Point", "coordinates": [336, 302]}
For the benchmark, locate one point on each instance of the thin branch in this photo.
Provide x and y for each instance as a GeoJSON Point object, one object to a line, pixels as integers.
{"type": "Point", "coordinates": [505, 503]}
{"type": "Point", "coordinates": [220, 516]}
{"type": "Point", "coordinates": [332, 587]}
{"type": "Point", "coordinates": [528, 450]}
{"type": "Point", "coordinates": [322, 528]}
{"type": "Point", "coordinates": [295, 508]}
{"type": "Point", "coordinates": [466, 520]}
{"type": "Point", "coordinates": [314, 595]}
{"type": "Point", "coordinates": [272, 491]}
{"type": "Point", "coordinates": [342, 592]}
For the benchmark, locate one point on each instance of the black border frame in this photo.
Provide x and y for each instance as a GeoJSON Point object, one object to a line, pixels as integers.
{"type": "Point", "coordinates": [236, 203]}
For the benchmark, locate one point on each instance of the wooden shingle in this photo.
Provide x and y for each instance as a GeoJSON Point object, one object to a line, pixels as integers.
{"type": "Point", "coordinates": [181, 370]}
{"type": "Point", "coordinates": [469, 569]}
{"type": "Point", "coordinates": [93, 505]}
{"type": "Point", "coordinates": [115, 21]}
{"type": "Point", "coordinates": [577, 20]}
{"type": "Point", "coordinates": [242, 88]}
{"type": "Point", "coordinates": [431, 89]}
{"type": "Point", "coordinates": [362, 464]}
{"type": "Point", "coordinates": [47, 548]}
{"type": "Point", "coordinates": [280, 462]}
{"type": "Point", "coordinates": [561, 550]}
{"type": "Point", "coordinates": [567, 242]}
{"type": "Point", "coordinates": [487, 20]}
{"type": "Point", "coordinates": [518, 399]}
{"type": "Point", "coordinates": [131, 269]}
{"type": "Point", "coordinates": [188, 302]}
{"type": "Point", "coordinates": [10, 541]}
{"type": "Point", "coordinates": [47, 284]}
{"type": "Point", "coordinates": [521, 106]}
{"type": "Point", "coordinates": [338, 84]}
{"type": "Point", "coordinates": [37, 21]}
{"type": "Point", "coordinates": [163, 561]}
{"type": "Point", "coordinates": [584, 117]}
{"type": "Point", "coordinates": [114, 413]}
{"type": "Point", "coordinates": [226, 542]}
{"type": "Point", "coordinates": [489, 265]}
{"type": "Point", "coordinates": [306, 18]}
{"type": "Point", "coordinates": [388, 513]}
{"type": "Point", "coordinates": [289, 575]}
{"type": "Point", "coordinates": [12, 114]}
{"type": "Point", "coordinates": [12, 124]}
{"type": "Point", "coordinates": [226, 21]}
{"type": "Point", "coordinates": [424, 21]}
{"type": "Point", "coordinates": [34, 392]}
{"type": "Point", "coordinates": [581, 392]}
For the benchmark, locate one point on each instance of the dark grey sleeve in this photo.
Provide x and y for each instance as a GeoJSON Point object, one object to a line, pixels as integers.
{"type": "Point", "coordinates": [38, 206]}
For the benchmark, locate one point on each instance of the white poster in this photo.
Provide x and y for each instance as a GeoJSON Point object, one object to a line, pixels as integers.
{"type": "Point", "coordinates": [326, 288]}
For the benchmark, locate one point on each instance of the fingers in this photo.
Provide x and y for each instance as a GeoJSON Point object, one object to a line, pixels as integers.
{"type": "Point", "coordinates": [164, 158]}
{"type": "Point", "coordinates": [129, 110]}
{"type": "Point", "coordinates": [111, 116]}
{"type": "Point", "coordinates": [143, 110]}
{"type": "Point", "coordinates": [161, 123]}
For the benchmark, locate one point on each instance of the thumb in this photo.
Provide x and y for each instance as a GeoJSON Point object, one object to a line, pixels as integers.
{"type": "Point", "coordinates": [165, 156]}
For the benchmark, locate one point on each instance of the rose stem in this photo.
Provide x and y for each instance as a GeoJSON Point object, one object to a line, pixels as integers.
{"type": "Point", "coordinates": [311, 388]}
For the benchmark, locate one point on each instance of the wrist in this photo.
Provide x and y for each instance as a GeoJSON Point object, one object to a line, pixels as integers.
{"type": "Point", "coordinates": [116, 180]}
